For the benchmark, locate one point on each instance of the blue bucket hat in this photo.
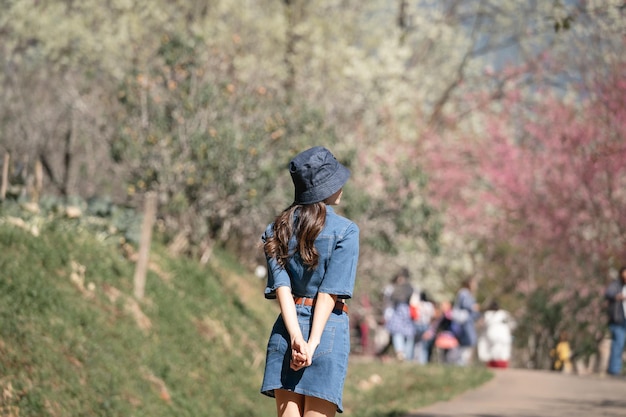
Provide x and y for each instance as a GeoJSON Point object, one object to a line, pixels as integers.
{"type": "Point", "coordinates": [316, 175]}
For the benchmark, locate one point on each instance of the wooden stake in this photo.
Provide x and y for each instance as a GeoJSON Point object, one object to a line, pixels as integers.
{"type": "Point", "coordinates": [38, 186]}
{"type": "Point", "coordinates": [5, 177]}
{"type": "Point", "coordinates": [141, 269]}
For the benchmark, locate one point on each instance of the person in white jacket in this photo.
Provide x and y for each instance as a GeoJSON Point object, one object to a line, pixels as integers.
{"type": "Point", "coordinates": [496, 340]}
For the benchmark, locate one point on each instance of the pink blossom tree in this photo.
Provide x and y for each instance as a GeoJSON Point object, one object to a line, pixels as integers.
{"type": "Point", "coordinates": [543, 187]}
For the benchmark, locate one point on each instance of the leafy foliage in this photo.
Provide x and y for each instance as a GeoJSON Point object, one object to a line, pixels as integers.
{"type": "Point", "coordinates": [545, 182]}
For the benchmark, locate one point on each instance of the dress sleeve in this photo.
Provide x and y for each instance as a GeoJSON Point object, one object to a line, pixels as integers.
{"type": "Point", "coordinates": [341, 270]}
{"type": "Point", "coordinates": [277, 276]}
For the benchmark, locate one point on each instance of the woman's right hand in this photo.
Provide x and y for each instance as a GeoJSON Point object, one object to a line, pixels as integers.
{"type": "Point", "coordinates": [311, 346]}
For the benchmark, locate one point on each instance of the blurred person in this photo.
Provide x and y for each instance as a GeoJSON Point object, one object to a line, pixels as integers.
{"type": "Point", "coordinates": [562, 354]}
{"type": "Point", "coordinates": [365, 326]}
{"type": "Point", "coordinates": [398, 320]}
{"type": "Point", "coordinates": [383, 338]}
{"type": "Point", "coordinates": [465, 312]}
{"type": "Point", "coordinates": [312, 256]}
{"type": "Point", "coordinates": [426, 315]}
{"type": "Point", "coordinates": [439, 337]}
{"type": "Point", "coordinates": [615, 296]}
{"type": "Point", "coordinates": [496, 340]}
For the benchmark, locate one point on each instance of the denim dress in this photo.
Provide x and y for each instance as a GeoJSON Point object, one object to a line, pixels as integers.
{"type": "Point", "coordinates": [338, 248]}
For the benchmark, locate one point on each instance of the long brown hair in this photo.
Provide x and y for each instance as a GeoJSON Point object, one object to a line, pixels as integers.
{"type": "Point", "coordinates": [305, 221]}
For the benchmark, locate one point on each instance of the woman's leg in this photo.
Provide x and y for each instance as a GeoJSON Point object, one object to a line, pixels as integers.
{"type": "Point", "coordinates": [316, 407]}
{"type": "Point", "coordinates": [289, 404]}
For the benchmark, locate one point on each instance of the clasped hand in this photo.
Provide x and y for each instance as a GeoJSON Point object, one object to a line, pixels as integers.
{"type": "Point", "coordinates": [301, 354]}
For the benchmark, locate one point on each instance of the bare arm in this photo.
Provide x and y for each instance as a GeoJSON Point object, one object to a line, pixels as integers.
{"type": "Point", "coordinates": [299, 352]}
{"type": "Point", "coordinates": [323, 307]}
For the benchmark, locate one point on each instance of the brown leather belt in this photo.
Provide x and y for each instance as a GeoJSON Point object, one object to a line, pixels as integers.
{"type": "Point", "coordinates": [305, 301]}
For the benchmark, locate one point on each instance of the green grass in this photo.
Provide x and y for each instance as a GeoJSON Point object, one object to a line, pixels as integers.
{"type": "Point", "coordinates": [376, 389]}
{"type": "Point", "coordinates": [73, 342]}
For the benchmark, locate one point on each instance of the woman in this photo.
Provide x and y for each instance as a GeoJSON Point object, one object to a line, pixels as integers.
{"type": "Point", "coordinates": [312, 255]}
{"type": "Point", "coordinates": [495, 343]}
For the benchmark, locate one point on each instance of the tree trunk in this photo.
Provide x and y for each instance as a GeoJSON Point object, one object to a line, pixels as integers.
{"type": "Point", "coordinates": [294, 12]}
{"type": "Point", "coordinates": [67, 163]}
{"type": "Point", "coordinates": [38, 186]}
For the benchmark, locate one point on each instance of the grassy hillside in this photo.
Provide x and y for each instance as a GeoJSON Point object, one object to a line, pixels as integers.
{"type": "Point", "coordinates": [74, 342]}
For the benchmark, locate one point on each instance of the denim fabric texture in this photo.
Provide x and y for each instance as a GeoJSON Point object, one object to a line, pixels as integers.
{"type": "Point", "coordinates": [325, 377]}
{"type": "Point", "coordinates": [338, 248]}
{"type": "Point", "coordinates": [316, 175]}
{"type": "Point", "coordinates": [334, 275]}
{"type": "Point", "coordinates": [618, 339]}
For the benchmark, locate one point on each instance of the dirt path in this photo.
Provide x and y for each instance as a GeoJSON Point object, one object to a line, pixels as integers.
{"type": "Point", "coordinates": [525, 393]}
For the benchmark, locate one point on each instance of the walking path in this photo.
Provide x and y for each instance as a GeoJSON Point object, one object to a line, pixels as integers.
{"type": "Point", "coordinates": [526, 393]}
